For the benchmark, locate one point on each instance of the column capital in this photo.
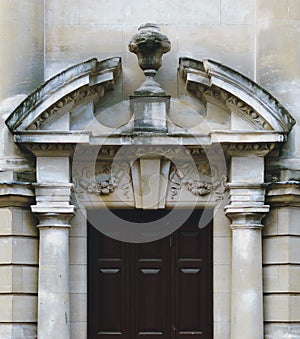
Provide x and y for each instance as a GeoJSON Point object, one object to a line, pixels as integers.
{"type": "Point", "coordinates": [53, 204]}
{"type": "Point", "coordinates": [247, 205]}
{"type": "Point", "coordinates": [246, 217]}
{"type": "Point", "coordinates": [242, 194]}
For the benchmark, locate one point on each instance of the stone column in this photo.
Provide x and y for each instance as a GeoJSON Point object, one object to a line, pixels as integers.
{"type": "Point", "coordinates": [246, 210]}
{"type": "Point", "coordinates": [54, 212]}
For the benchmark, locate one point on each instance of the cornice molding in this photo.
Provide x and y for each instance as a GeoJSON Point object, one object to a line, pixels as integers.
{"type": "Point", "coordinates": [16, 194]}
{"type": "Point", "coordinates": [283, 194]}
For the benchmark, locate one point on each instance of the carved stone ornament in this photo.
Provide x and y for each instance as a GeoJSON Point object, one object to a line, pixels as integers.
{"type": "Point", "coordinates": [104, 182]}
{"type": "Point", "coordinates": [72, 98]}
{"type": "Point", "coordinates": [64, 91]}
{"type": "Point", "coordinates": [200, 186]}
{"type": "Point", "coordinates": [242, 148]}
{"type": "Point", "coordinates": [149, 45]}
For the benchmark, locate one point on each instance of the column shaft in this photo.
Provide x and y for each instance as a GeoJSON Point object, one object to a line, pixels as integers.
{"type": "Point", "coordinates": [53, 291]}
{"type": "Point", "coordinates": [246, 211]}
{"type": "Point", "coordinates": [246, 302]}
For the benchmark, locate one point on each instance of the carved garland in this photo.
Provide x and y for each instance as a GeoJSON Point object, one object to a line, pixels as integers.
{"type": "Point", "coordinates": [179, 178]}
{"type": "Point", "coordinates": [104, 182]}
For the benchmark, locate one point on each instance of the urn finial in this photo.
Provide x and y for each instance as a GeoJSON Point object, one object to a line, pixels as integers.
{"type": "Point", "coordinates": [149, 45]}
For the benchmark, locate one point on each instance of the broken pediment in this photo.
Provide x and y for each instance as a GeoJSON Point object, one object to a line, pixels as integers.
{"type": "Point", "coordinates": [217, 84]}
{"type": "Point", "coordinates": [215, 101]}
{"type": "Point", "coordinates": [62, 93]}
{"type": "Point", "coordinates": [218, 103]}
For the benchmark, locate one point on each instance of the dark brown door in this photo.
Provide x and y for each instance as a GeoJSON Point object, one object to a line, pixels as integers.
{"type": "Point", "coordinates": [160, 289]}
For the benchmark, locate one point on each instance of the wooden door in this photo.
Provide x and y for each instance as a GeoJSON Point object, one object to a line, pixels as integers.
{"type": "Point", "coordinates": [160, 289]}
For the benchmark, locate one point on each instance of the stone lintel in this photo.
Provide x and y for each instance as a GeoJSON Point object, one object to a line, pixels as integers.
{"type": "Point", "coordinates": [154, 131]}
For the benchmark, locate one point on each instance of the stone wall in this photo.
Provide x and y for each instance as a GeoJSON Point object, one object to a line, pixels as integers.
{"type": "Point", "coordinates": [221, 30]}
{"type": "Point", "coordinates": [22, 68]}
{"type": "Point", "coordinates": [277, 69]}
{"type": "Point", "coordinates": [18, 273]}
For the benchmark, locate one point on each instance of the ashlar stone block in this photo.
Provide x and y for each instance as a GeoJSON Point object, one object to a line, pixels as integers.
{"type": "Point", "coordinates": [241, 165]}
{"type": "Point", "coordinates": [222, 278]}
{"type": "Point", "coordinates": [18, 331]}
{"type": "Point", "coordinates": [238, 12]}
{"type": "Point", "coordinates": [222, 250]}
{"type": "Point", "coordinates": [281, 250]}
{"type": "Point", "coordinates": [18, 250]}
{"type": "Point", "coordinates": [78, 278]}
{"type": "Point", "coordinates": [222, 307]}
{"type": "Point", "coordinates": [18, 279]}
{"type": "Point", "coordinates": [282, 221]}
{"type": "Point", "coordinates": [281, 279]}
{"type": "Point", "coordinates": [53, 169]}
{"type": "Point", "coordinates": [16, 221]}
{"type": "Point", "coordinates": [79, 330]}
{"type": "Point", "coordinates": [18, 308]}
{"type": "Point", "coordinates": [78, 303]}
{"type": "Point", "coordinates": [78, 250]}
{"type": "Point", "coordinates": [282, 308]}
{"type": "Point", "coordinates": [282, 330]}
{"type": "Point", "coordinates": [221, 330]}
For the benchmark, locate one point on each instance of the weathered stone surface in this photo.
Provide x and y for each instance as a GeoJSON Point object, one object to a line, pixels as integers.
{"type": "Point", "coordinates": [21, 75]}
{"type": "Point", "coordinates": [65, 88]}
{"type": "Point", "coordinates": [259, 105]}
{"type": "Point", "coordinates": [149, 45]}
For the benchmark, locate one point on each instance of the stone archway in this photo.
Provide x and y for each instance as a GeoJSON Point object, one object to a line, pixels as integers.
{"type": "Point", "coordinates": [225, 114]}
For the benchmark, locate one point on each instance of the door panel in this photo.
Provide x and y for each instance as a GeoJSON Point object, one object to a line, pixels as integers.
{"type": "Point", "coordinates": [151, 281]}
{"type": "Point", "coordinates": [161, 289]}
{"type": "Point", "coordinates": [192, 254]}
{"type": "Point", "coordinates": [108, 292]}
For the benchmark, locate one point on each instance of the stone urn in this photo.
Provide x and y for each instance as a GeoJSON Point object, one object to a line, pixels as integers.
{"type": "Point", "coordinates": [149, 45]}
